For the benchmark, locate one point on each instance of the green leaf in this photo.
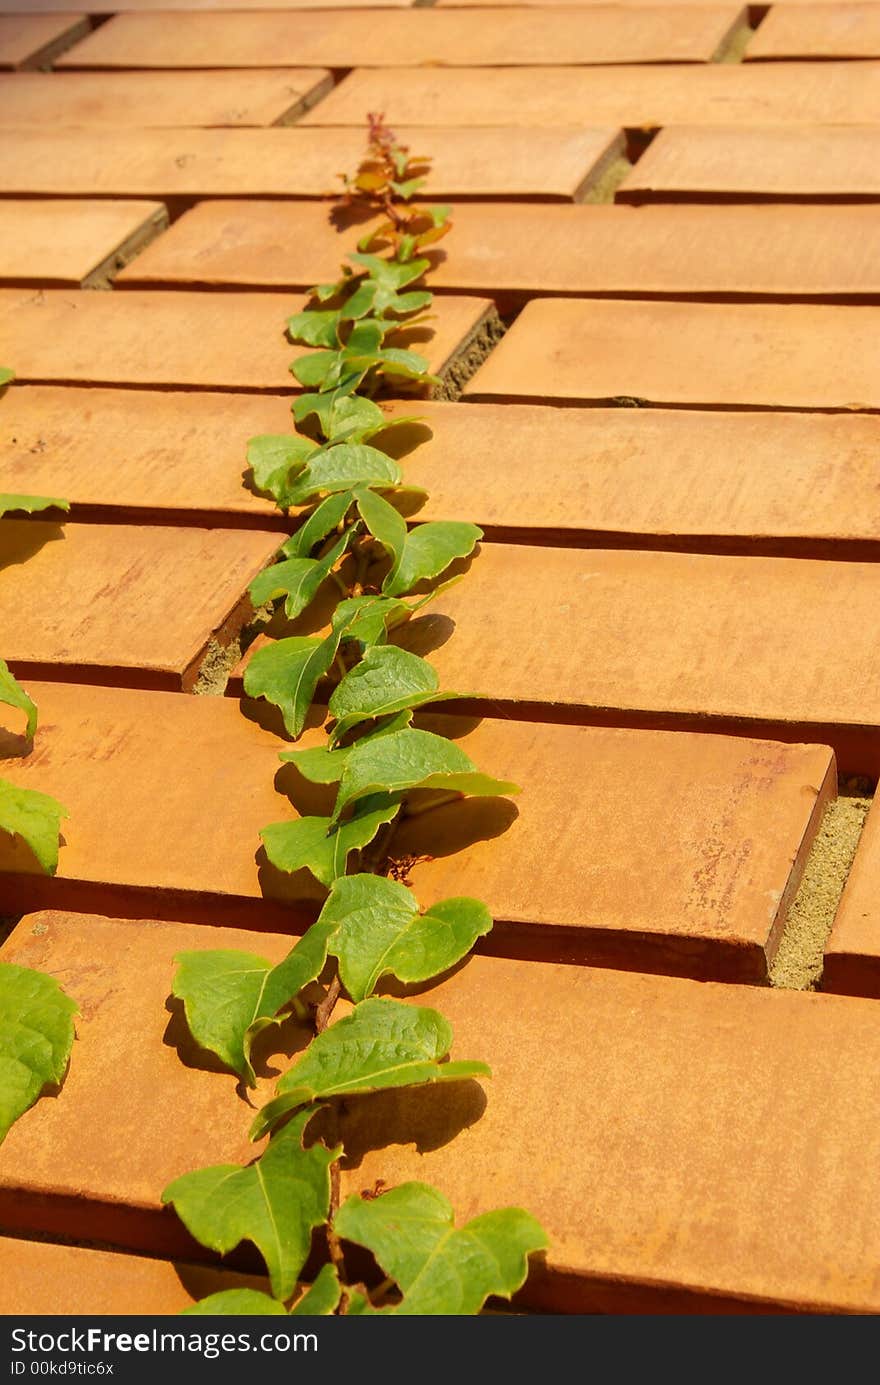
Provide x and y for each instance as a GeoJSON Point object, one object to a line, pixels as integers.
{"type": "Point", "coordinates": [412, 759]}
{"type": "Point", "coordinates": [378, 930]}
{"type": "Point", "coordinates": [344, 466]}
{"type": "Point", "coordinates": [326, 369]}
{"type": "Point", "coordinates": [231, 997]}
{"type": "Point", "coordinates": [14, 695]}
{"type": "Point", "coordinates": [238, 1303]}
{"type": "Point", "coordinates": [322, 1298]}
{"type": "Point", "coordinates": [428, 550]}
{"type": "Point", "coordinates": [298, 580]}
{"type": "Point", "coordinates": [367, 619]}
{"type": "Point", "coordinates": [441, 1269]}
{"type": "Point", "coordinates": [31, 503]}
{"type": "Point", "coordinates": [6, 375]}
{"type": "Point", "coordinates": [381, 1044]}
{"type": "Point", "coordinates": [342, 417]}
{"type": "Point", "coordinates": [275, 1202]}
{"type": "Point", "coordinates": [36, 818]}
{"type": "Point", "coordinates": [315, 327]}
{"type": "Point", "coordinates": [409, 188]}
{"type": "Point", "coordinates": [287, 672]}
{"type": "Point", "coordinates": [385, 524]}
{"type": "Point", "coordinates": [36, 1036]}
{"type": "Point", "coordinates": [274, 458]}
{"type": "Point", "coordinates": [323, 764]}
{"type": "Point", "coordinates": [322, 521]}
{"type": "Point", "coordinates": [390, 276]}
{"type": "Point", "coordinates": [317, 845]}
{"type": "Point", "coordinates": [386, 680]}
{"type": "Point", "coordinates": [408, 364]}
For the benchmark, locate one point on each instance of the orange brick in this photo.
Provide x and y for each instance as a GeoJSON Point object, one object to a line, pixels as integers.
{"type": "Point", "coordinates": [637, 97]}
{"type": "Point", "coordinates": [513, 252]}
{"type": "Point", "coordinates": [416, 37]}
{"type": "Point", "coordinates": [80, 244]}
{"type": "Point", "coordinates": [769, 355]}
{"type": "Point", "coordinates": [119, 99]}
{"type": "Point", "coordinates": [196, 340]}
{"type": "Point", "coordinates": [716, 1140]}
{"type": "Point", "coordinates": [32, 40]}
{"type": "Point", "coordinates": [163, 6]}
{"type": "Point", "coordinates": [852, 957]}
{"type": "Point", "coordinates": [116, 603]}
{"type": "Point", "coordinates": [776, 482]}
{"type": "Point", "coordinates": [184, 165]}
{"type": "Point", "coordinates": [677, 637]}
{"type": "Point", "coordinates": [805, 163]}
{"type": "Point", "coordinates": [40, 1279]}
{"type": "Point", "coordinates": [818, 31]}
{"type": "Point", "coordinates": [707, 890]}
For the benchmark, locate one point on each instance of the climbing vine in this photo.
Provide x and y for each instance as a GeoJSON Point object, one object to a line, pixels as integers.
{"type": "Point", "coordinates": [352, 538]}
{"type": "Point", "coordinates": [36, 1017]}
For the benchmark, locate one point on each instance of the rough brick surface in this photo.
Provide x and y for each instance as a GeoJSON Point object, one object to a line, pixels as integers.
{"type": "Point", "coordinates": [773, 356]}
{"type": "Point", "coordinates": [695, 635]}
{"type": "Point", "coordinates": [683, 875]}
{"type": "Point", "coordinates": [408, 38]}
{"type": "Point", "coordinates": [185, 165]}
{"type": "Point", "coordinates": [775, 481]}
{"type": "Point", "coordinates": [33, 40]}
{"type": "Point", "coordinates": [44, 1280]}
{"type": "Point", "coordinates": [803, 163]}
{"type": "Point", "coordinates": [121, 603]}
{"type": "Point", "coordinates": [638, 97]}
{"type": "Point", "coordinates": [744, 1193]}
{"type": "Point", "coordinates": [120, 99]}
{"type": "Point", "coordinates": [818, 31]}
{"type": "Point", "coordinates": [852, 957]}
{"type": "Point", "coordinates": [72, 243]}
{"type": "Point", "coordinates": [517, 251]}
{"type": "Point", "coordinates": [196, 340]}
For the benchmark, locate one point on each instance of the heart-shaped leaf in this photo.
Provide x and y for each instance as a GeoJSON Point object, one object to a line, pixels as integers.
{"type": "Point", "coordinates": [386, 680]}
{"type": "Point", "coordinates": [317, 845]}
{"type": "Point", "coordinates": [287, 672]}
{"type": "Point", "coordinates": [14, 695]}
{"type": "Point", "coordinates": [441, 1269]}
{"type": "Point", "coordinates": [36, 1036]}
{"type": "Point", "coordinates": [342, 467]}
{"type": "Point", "coordinates": [378, 930]}
{"type": "Point", "coordinates": [36, 818]}
{"type": "Point", "coordinates": [322, 764]}
{"type": "Point", "coordinates": [411, 759]}
{"type": "Point", "coordinates": [274, 460]}
{"type": "Point", "coordinates": [381, 1044]}
{"type": "Point", "coordinates": [230, 997]}
{"type": "Point", "coordinates": [315, 326]}
{"type": "Point", "coordinates": [275, 1202]}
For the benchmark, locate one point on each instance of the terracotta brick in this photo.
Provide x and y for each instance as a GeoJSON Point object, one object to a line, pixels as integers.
{"type": "Point", "coordinates": [779, 482]}
{"type": "Point", "coordinates": [41, 1279]}
{"type": "Point", "coordinates": [818, 31]}
{"type": "Point", "coordinates": [410, 38]}
{"type": "Point", "coordinates": [118, 603]}
{"type": "Point", "coordinates": [185, 165]}
{"type": "Point", "coordinates": [79, 244]}
{"type": "Point", "coordinates": [707, 887]}
{"type": "Point", "coordinates": [637, 97]}
{"type": "Point", "coordinates": [513, 252]}
{"type": "Point", "coordinates": [121, 453]}
{"type": "Point", "coordinates": [33, 40]}
{"type": "Point", "coordinates": [679, 636]}
{"type": "Point", "coordinates": [852, 957]}
{"type": "Point", "coordinates": [805, 163]}
{"type": "Point", "coordinates": [120, 99]}
{"type": "Point", "coordinates": [769, 355]}
{"type": "Point", "coordinates": [195, 340]}
{"type": "Point", "coordinates": [697, 1171]}
{"type": "Point", "coordinates": [109, 7]}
